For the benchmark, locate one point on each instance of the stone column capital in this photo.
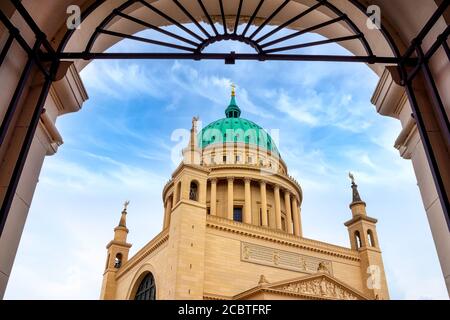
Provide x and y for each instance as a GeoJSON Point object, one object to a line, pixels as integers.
{"type": "Point", "coordinates": [247, 180]}
{"type": "Point", "coordinates": [230, 179]}
{"type": "Point", "coordinates": [213, 180]}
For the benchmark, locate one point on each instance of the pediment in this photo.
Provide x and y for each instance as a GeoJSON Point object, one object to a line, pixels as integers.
{"type": "Point", "coordinates": [321, 286]}
{"type": "Point", "coordinates": [317, 286]}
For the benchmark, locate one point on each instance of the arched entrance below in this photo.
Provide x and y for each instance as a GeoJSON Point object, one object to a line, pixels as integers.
{"type": "Point", "coordinates": [40, 61]}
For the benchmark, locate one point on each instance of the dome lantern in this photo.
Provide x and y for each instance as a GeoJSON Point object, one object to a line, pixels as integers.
{"type": "Point", "coordinates": [233, 111]}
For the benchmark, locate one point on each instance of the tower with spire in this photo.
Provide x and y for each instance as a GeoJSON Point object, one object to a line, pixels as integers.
{"type": "Point", "coordinates": [363, 238]}
{"type": "Point", "coordinates": [117, 255]}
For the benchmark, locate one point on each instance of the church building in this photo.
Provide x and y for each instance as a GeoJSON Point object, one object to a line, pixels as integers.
{"type": "Point", "coordinates": [232, 230]}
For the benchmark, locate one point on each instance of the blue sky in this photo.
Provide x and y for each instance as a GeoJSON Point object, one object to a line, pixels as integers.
{"type": "Point", "coordinates": [121, 146]}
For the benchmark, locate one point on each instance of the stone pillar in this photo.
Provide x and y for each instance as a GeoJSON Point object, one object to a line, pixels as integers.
{"type": "Point", "coordinates": [167, 210]}
{"type": "Point", "coordinates": [390, 100]}
{"type": "Point", "coordinates": [248, 202]}
{"type": "Point", "coordinates": [287, 204]}
{"type": "Point", "coordinates": [264, 221]}
{"type": "Point", "coordinates": [213, 203]}
{"type": "Point", "coordinates": [277, 207]}
{"type": "Point", "coordinates": [300, 220]}
{"type": "Point", "coordinates": [66, 95]}
{"type": "Point", "coordinates": [175, 192]}
{"type": "Point", "coordinates": [230, 199]}
{"type": "Point", "coordinates": [296, 217]}
{"type": "Point", "coordinates": [165, 214]}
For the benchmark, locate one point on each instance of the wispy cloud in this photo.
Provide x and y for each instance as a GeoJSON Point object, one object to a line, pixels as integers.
{"type": "Point", "coordinates": [297, 110]}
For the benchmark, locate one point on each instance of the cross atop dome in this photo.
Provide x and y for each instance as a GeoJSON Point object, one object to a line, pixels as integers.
{"type": "Point", "coordinates": [233, 111]}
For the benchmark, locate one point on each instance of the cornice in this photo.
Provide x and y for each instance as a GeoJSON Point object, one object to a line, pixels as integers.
{"type": "Point", "coordinates": [358, 218]}
{"type": "Point", "coordinates": [176, 172]}
{"type": "Point", "coordinates": [379, 88]}
{"type": "Point", "coordinates": [51, 132]}
{"type": "Point", "coordinates": [402, 143]}
{"type": "Point", "coordinates": [69, 92]}
{"type": "Point", "coordinates": [118, 243]}
{"type": "Point", "coordinates": [280, 237]}
{"type": "Point", "coordinates": [191, 203]}
{"type": "Point", "coordinates": [262, 289]}
{"type": "Point", "coordinates": [388, 96]}
{"type": "Point", "coordinates": [212, 296]}
{"type": "Point", "coordinates": [190, 166]}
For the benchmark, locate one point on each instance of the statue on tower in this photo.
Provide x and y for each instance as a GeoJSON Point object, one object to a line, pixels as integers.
{"type": "Point", "coordinates": [352, 177]}
{"type": "Point", "coordinates": [355, 194]}
{"type": "Point", "coordinates": [123, 218]}
{"type": "Point", "coordinates": [194, 123]}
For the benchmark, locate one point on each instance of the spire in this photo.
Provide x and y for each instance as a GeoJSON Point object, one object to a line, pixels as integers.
{"type": "Point", "coordinates": [357, 205]}
{"type": "Point", "coordinates": [123, 218]}
{"type": "Point", "coordinates": [356, 197]}
{"type": "Point", "coordinates": [121, 231]}
{"type": "Point", "coordinates": [233, 110]}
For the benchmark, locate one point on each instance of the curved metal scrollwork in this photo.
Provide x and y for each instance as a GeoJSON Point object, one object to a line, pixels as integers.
{"type": "Point", "coordinates": [190, 43]}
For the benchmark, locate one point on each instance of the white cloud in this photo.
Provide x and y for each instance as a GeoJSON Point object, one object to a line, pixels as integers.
{"type": "Point", "coordinates": [297, 110]}
{"type": "Point", "coordinates": [121, 81]}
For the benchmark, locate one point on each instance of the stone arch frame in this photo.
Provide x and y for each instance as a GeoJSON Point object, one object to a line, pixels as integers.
{"type": "Point", "coordinates": [118, 260]}
{"type": "Point", "coordinates": [178, 192]}
{"type": "Point", "coordinates": [358, 239]}
{"type": "Point", "coordinates": [197, 183]}
{"type": "Point", "coordinates": [357, 9]}
{"type": "Point", "coordinates": [371, 241]}
{"type": "Point", "coordinates": [399, 40]}
{"type": "Point", "coordinates": [137, 278]}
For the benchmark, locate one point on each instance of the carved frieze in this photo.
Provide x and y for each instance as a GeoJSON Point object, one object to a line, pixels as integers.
{"type": "Point", "coordinates": [320, 287]}
{"type": "Point", "coordinates": [284, 259]}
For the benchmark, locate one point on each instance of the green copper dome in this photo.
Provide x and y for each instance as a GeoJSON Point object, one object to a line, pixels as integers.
{"type": "Point", "coordinates": [233, 128]}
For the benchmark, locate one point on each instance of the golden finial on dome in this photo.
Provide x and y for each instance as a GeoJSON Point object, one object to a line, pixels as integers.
{"type": "Point", "coordinates": [233, 90]}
